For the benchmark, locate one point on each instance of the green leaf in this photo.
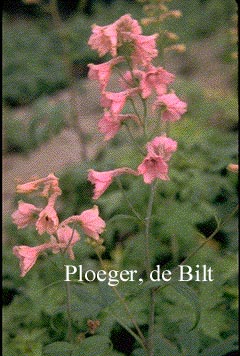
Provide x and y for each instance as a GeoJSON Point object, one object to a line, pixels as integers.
{"type": "Point", "coordinates": [164, 347]}
{"type": "Point", "coordinates": [59, 348]}
{"type": "Point", "coordinates": [188, 340]}
{"type": "Point", "coordinates": [122, 216]}
{"type": "Point", "coordinates": [138, 352]}
{"type": "Point", "coordinates": [94, 345]}
{"type": "Point", "coordinates": [222, 348]}
{"type": "Point", "coordinates": [192, 297]}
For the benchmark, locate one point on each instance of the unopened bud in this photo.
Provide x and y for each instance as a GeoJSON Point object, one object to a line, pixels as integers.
{"type": "Point", "coordinates": [147, 21]}
{"type": "Point", "coordinates": [176, 13]}
{"type": "Point", "coordinates": [171, 36]}
{"type": "Point", "coordinates": [233, 167]}
{"type": "Point", "coordinates": [81, 337]}
{"type": "Point", "coordinates": [234, 55]}
{"type": "Point", "coordinates": [180, 48]}
{"type": "Point", "coordinates": [92, 326]}
{"type": "Point", "coordinates": [162, 8]}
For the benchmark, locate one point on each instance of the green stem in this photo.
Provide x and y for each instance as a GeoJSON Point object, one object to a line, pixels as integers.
{"type": "Point", "coordinates": [138, 216]}
{"type": "Point", "coordinates": [69, 313]}
{"type": "Point", "coordinates": [140, 337]}
{"type": "Point", "coordinates": [139, 148]}
{"type": "Point", "coordinates": [147, 229]}
{"type": "Point", "coordinates": [209, 238]}
{"type": "Point", "coordinates": [150, 343]}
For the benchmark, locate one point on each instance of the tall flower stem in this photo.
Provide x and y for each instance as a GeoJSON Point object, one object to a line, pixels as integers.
{"type": "Point", "coordinates": [150, 343]}
{"type": "Point", "coordinates": [147, 229]}
{"type": "Point", "coordinates": [140, 337]}
{"type": "Point", "coordinates": [69, 313]}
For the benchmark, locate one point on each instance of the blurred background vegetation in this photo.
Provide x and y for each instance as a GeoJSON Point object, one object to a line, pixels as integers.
{"type": "Point", "coordinates": [200, 188]}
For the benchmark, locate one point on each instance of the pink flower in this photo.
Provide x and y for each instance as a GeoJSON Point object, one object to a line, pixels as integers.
{"type": "Point", "coordinates": [126, 26]}
{"type": "Point", "coordinates": [104, 39]}
{"type": "Point", "coordinates": [162, 146]}
{"type": "Point", "coordinates": [154, 165]}
{"type": "Point", "coordinates": [173, 107]}
{"type": "Point", "coordinates": [27, 187]}
{"type": "Point", "coordinates": [154, 78]}
{"type": "Point", "coordinates": [28, 256]}
{"type": "Point", "coordinates": [102, 72]}
{"type": "Point", "coordinates": [25, 215]}
{"type": "Point", "coordinates": [110, 126]}
{"type": "Point", "coordinates": [49, 184]}
{"type": "Point", "coordinates": [144, 49]}
{"type": "Point", "coordinates": [90, 221]}
{"type": "Point", "coordinates": [116, 101]}
{"type": "Point", "coordinates": [126, 81]}
{"type": "Point", "coordinates": [152, 168]}
{"type": "Point", "coordinates": [102, 180]}
{"type": "Point", "coordinates": [107, 39]}
{"type": "Point", "coordinates": [67, 238]}
{"type": "Point", "coordinates": [47, 221]}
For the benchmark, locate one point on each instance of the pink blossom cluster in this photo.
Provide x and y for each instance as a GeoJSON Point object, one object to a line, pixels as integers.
{"type": "Point", "coordinates": [143, 79]}
{"type": "Point", "coordinates": [124, 41]}
{"type": "Point", "coordinates": [62, 236]}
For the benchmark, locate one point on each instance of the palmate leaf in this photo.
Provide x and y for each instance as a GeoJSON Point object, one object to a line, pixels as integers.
{"type": "Point", "coordinates": [222, 347]}
{"type": "Point", "coordinates": [189, 340]}
{"type": "Point", "coordinates": [59, 348]}
{"type": "Point", "coordinates": [94, 345]}
{"type": "Point", "coordinates": [213, 319]}
{"type": "Point", "coordinates": [190, 294]}
{"type": "Point", "coordinates": [138, 352]}
{"type": "Point", "coordinates": [164, 347]}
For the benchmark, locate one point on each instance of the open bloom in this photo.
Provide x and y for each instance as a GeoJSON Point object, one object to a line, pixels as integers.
{"type": "Point", "coordinates": [104, 39]}
{"type": "Point", "coordinates": [155, 164]}
{"type": "Point", "coordinates": [155, 78]}
{"type": "Point", "coordinates": [107, 39]}
{"type": "Point", "coordinates": [110, 126]}
{"type": "Point", "coordinates": [162, 146]}
{"type": "Point", "coordinates": [144, 49]}
{"type": "Point", "coordinates": [102, 180]}
{"type": "Point", "coordinates": [25, 214]}
{"type": "Point", "coordinates": [90, 221]}
{"type": "Point", "coordinates": [102, 72]}
{"type": "Point", "coordinates": [28, 256]}
{"type": "Point", "coordinates": [173, 107]}
{"type": "Point", "coordinates": [116, 101]}
{"type": "Point", "coordinates": [126, 26]}
{"type": "Point", "coordinates": [66, 239]}
{"type": "Point", "coordinates": [47, 221]}
{"type": "Point", "coordinates": [152, 168]}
